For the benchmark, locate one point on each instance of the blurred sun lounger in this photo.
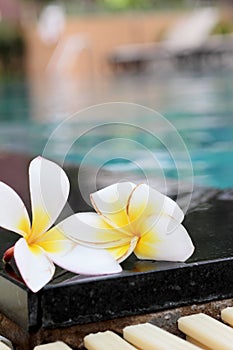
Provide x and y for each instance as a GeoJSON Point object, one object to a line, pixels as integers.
{"type": "Point", "coordinates": [189, 36]}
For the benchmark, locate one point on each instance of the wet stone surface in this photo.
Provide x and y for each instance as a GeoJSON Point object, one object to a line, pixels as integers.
{"type": "Point", "coordinates": [143, 286]}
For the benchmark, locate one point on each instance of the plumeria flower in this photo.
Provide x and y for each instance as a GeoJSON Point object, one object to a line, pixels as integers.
{"type": "Point", "coordinates": [133, 218]}
{"type": "Point", "coordinates": [42, 245]}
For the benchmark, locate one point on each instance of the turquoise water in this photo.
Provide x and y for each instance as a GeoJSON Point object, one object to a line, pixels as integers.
{"type": "Point", "coordinates": [199, 105]}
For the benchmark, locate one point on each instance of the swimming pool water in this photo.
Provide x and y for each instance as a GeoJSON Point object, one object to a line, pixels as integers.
{"type": "Point", "coordinates": [199, 105]}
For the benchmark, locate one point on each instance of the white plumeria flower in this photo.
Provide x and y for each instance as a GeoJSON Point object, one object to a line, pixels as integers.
{"type": "Point", "coordinates": [135, 219]}
{"type": "Point", "coordinates": [40, 246]}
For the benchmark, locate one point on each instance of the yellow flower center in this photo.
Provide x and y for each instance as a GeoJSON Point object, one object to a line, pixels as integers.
{"type": "Point", "coordinates": [40, 224]}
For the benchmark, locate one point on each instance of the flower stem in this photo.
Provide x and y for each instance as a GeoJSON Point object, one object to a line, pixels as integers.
{"type": "Point", "coordinates": [8, 255]}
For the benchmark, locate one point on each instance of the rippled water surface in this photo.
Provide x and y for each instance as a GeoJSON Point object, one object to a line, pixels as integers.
{"type": "Point", "coordinates": [198, 104]}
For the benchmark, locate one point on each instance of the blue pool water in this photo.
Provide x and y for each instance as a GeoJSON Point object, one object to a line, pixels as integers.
{"type": "Point", "coordinates": [199, 105]}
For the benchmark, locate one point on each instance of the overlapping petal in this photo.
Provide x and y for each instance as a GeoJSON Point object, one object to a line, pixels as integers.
{"type": "Point", "coordinates": [159, 243]}
{"type": "Point", "coordinates": [122, 252]}
{"type": "Point", "coordinates": [88, 261]}
{"type": "Point", "coordinates": [145, 201]}
{"type": "Point", "coordinates": [54, 241]}
{"type": "Point", "coordinates": [49, 189]}
{"type": "Point", "coordinates": [92, 230]}
{"type": "Point", "coordinates": [35, 266]}
{"type": "Point", "coordinates": [13, 214]}
{"type": "Point", "coordinates": [111, 203]}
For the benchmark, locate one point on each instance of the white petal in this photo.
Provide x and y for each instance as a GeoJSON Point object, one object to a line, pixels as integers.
{"type": "Point", "coordinates": [13, 214]}
{"type": "Point", "coordinates": [111, 202]}
{"type": "Point", "coordinates": [87, 261]}
{"type": "Point", "coordinates": [145, 201]}
{"type": "Point", "coordinates": [54, 241]}
{"type": "Point", "coordinates": [34, 265]}
{"type": "Point", "coordinates": [121, 253]}
{"type": "Point", "coordinates": [112, 198]}
{"type": "Point", "coordinates": [49, 188]}
{"type": "Point", "coordinates": [91, 229]}
{"type": "Point", "coordinates": [160, 243]}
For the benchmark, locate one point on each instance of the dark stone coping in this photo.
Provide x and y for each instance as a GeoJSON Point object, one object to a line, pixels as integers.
{"type": "Point", "coordinates": [143, 286]}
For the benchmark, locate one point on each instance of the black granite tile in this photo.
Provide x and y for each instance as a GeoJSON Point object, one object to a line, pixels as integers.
{"type": "Point", "coordinates": [143, 286]}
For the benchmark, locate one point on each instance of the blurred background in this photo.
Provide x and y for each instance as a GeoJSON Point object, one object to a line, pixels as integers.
{"type": "Point", "coordinates": [175, 56]}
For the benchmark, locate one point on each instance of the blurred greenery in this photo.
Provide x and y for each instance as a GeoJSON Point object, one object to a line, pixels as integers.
{"type": "Point", "coordinates": [223, 27]}
{"type": "Point", "coordinates": [12, 49]}
{"type": "Point", "coordinates": [74, 7]}
{"type": "Point", "coordinates": [139, 4]}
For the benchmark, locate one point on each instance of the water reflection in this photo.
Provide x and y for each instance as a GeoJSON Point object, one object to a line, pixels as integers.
{"type": "Point", "coordinates": [183, 96]}
{"type": "Point", "coordinates": [198, 104]}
